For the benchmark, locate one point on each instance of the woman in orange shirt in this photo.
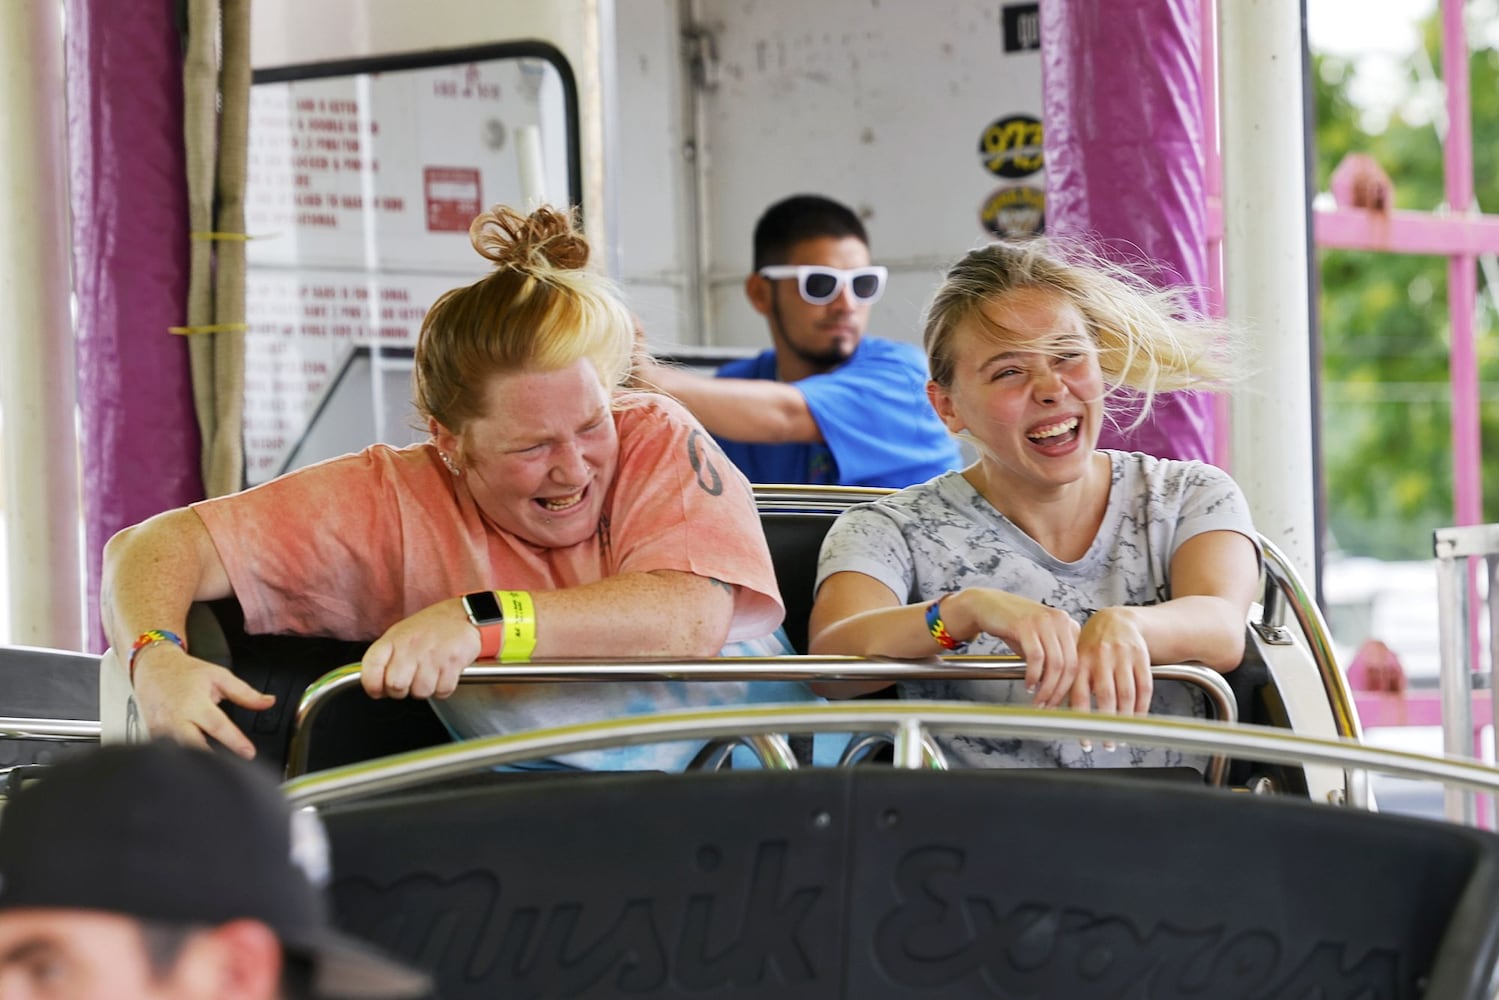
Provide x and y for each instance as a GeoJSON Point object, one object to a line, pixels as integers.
{"type": "Point", "coordinates": [552, 513]}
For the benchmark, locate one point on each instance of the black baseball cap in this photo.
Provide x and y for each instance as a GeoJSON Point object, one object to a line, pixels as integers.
{"type": "Point", "coordinates": [168, 833]}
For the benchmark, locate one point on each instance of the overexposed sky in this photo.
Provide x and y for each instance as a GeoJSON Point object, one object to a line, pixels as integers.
{"type": "Point", "coordinates": [1375, 36]}
{"type": "Point", "coordinates": [1365, 27]}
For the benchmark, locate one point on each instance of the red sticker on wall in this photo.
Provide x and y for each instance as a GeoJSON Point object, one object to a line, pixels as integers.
{"type": "Point", "coordinates": [452, 198]}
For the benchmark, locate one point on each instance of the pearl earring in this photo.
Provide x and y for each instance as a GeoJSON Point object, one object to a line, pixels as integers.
{"type": "Point", "coordinates": [448, 461]}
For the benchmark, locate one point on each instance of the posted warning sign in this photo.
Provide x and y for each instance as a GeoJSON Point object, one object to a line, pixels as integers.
{"type": "Point", "coordinates": [360, 194]}
{"type": "Point", "coordinates": [453, 198]}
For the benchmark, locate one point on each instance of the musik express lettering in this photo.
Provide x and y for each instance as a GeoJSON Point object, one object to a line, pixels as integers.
{"type": "Point", "coordinates": [940, 934]}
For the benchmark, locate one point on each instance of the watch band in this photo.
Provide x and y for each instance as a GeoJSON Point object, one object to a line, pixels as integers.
{"type": "Point", "coordinates": [486, 615]}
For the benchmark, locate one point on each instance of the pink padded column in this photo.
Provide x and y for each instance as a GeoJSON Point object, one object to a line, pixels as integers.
{"type": "Point", "coordinates": [139, 435]}
{"type": "Point", "coordinates": [1122, 109]}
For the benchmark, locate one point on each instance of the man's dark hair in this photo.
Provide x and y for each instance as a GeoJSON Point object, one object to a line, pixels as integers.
{"type": "Point", "coordinates": [802, 217]}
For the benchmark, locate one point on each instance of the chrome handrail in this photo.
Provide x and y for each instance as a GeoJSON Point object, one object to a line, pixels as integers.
{"type": "Point", "coordinates": [748, 668]}
{"type": "Point", "coordinates": [861, 745]}
{"type": "Point", "coordinates": [789, 498]}
{"type": "Point", "coordinates": [908, 721]}
{"type": "Point", "coordinates": [56, 730]}
{"type": "Point", "coordinates": [1281, 576]}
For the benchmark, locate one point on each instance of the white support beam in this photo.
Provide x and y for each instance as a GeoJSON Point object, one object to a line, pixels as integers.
{"type": "Point", "coordinates": [1265, 267]}
{"type": "Point", "coordinates": [37, 369]}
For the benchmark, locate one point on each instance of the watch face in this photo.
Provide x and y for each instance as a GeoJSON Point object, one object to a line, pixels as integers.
{"type": "Point", "coordinates": [483, 607]}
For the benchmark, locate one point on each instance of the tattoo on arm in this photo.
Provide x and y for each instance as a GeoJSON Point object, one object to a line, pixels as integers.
{"type": "Point", "coordinates": [702, 451]}
{"type": "Point", "coordinates": [699, 451]}
{"type": "Point", "coordinates": [719, 583]}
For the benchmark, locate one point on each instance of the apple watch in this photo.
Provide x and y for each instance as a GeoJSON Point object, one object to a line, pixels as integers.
{"type": "Point", "coordinates": [483, 609]}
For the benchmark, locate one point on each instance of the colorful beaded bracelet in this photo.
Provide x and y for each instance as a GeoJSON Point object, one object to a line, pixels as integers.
{"type": "Point", "coordinates": [150, 637]}
{"type": "Point", "coordinates": [938, 628]}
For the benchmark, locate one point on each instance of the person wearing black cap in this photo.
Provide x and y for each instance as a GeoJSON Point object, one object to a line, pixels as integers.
{"type": "Point", "coordinates": [164, 871]}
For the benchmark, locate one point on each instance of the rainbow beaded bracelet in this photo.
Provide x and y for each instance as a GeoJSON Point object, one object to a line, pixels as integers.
{"type": "Point", "coordinates": [150, 637]}
{"type": "Point", "coordinates": [938, 628]}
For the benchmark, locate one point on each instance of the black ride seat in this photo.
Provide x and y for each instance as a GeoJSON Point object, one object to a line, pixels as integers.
{"type": "Point", "coordinates": [350, 729]}
{"type": "Point", "coordinates": [878, 883]}
{"type": "Point", "coordinates": [795, 539]}
{"type": "Point", "coordinates": [38, 683]}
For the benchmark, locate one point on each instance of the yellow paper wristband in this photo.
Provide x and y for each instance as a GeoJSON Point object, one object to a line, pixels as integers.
{"type": "Point", "coordinates": [520, 625]}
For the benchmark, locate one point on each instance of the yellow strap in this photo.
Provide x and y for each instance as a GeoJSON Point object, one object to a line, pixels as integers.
{"type": "Point", "coordinates": [222, 236]}
{"type": "Point", "coordinates": [520, 625]}
{"type": "Point", "coordinates": [210, 328]}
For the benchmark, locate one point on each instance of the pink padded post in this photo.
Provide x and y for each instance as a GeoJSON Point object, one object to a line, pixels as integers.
{"type": "Point", "coordinates": [139, 432]}
{"type": "Point", "coordinates": [1123, 139]}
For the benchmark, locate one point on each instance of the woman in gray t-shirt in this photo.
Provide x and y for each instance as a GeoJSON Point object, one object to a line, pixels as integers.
{"type": "Point", "coordinates": [1089, 564]}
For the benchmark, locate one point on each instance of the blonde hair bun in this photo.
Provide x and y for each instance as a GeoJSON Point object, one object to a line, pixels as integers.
{"type": "Point", "coordinates": [545, 240]}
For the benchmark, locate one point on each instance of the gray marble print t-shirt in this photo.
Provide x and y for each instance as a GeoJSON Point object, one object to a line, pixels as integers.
{"type": "Point", "coordinates": [942, 535]}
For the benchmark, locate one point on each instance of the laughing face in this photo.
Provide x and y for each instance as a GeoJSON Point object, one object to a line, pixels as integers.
{"type": "Point", "coordinates": [541, 459]}
{"type": "Point", "coordinates": [1026, 385]}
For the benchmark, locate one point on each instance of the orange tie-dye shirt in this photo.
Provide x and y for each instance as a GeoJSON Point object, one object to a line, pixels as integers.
{"type": "Point", "coordinates": [350, 546]}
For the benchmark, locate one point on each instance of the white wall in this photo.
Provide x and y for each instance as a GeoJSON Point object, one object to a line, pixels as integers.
{"type": "Point", "coordinates": [652, 212]}
{"type": "Point", "coordinates": [880, 105]}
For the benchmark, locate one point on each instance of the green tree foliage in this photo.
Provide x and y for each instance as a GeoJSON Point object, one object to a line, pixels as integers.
{"type": "Point", "coordinates": [1386, 400]}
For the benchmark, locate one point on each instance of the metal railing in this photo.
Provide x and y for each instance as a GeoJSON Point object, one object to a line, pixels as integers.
{"type": "Point", "coordinates": [54, 730]}
{"type": "Point", "coordinates": [1456, 550]}
{"type": "Point", "coordinates": [813, 499]}
{"type": "Point", "coordinates": [1284, 592]}
{"type": "Point", "coordinates": [908, 723]}
{"type": "Point", "coordinates": [779, 668]}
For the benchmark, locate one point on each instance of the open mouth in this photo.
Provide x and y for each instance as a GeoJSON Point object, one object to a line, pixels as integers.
{"type": "Point", "coordinates": [556, 505]}
{"type": "Point", "coordinates": [1058, 433]}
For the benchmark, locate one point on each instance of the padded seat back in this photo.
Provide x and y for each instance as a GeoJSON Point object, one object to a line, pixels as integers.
{"type": "Point", "coordinates": [38, 683]}
{"type": "Point", "coordinates": [350, 729]}
{"type": "Point", "coordinates": [872, 883]}
{"type": "Point", "coordinates": [795, 539]}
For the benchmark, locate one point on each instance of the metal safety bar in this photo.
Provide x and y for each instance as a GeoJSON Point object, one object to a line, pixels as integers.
{"type": "Point", "coordinates": [1285, 592]}
{"type": "Point", "coordinates": [814, 499]}
{"type": "Point", "coordinates": [908, 722]}
{"type": "Point", "coordinates": [1459, 675]}
{"type": "Point", "coordinates": [55, 730]}
{"type": "Point", "coordinates": [749, 668]}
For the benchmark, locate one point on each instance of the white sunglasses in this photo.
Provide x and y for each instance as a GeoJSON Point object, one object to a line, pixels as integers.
{"type": "Point", "coordinates": [820, 285]}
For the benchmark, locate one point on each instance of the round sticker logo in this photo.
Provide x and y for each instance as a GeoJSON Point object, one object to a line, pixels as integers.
{"type": "Point", "coordinates": [1011, 147]}
{"type": "Point", "coordinates": [1014, 211]}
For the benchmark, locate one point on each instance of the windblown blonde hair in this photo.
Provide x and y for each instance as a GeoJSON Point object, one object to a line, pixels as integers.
{"type": "Point", "coordinates": [1149, 339]}
{"type": "Point", "coordinates": [539, 309]}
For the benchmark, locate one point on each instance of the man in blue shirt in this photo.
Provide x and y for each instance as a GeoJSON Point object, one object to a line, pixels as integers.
{"type": "Point", "coordinates": [825, 404]}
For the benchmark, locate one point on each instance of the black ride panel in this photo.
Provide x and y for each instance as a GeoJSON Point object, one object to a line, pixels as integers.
{"type": "Point", "coordinates": [46, 684]}
{"type": "Point", "coordinates": [876, 883]}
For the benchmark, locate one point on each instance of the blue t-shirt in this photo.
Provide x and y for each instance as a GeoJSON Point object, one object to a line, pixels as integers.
{"type": "Point", "coordinates": [877, 426]}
